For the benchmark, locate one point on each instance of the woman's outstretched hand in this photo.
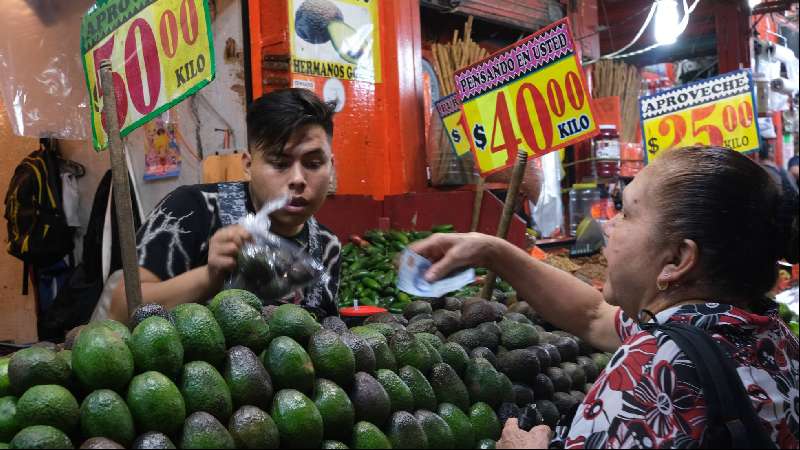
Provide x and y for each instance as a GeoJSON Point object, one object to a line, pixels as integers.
{"type": "Point", "coordinates": [449, 252]}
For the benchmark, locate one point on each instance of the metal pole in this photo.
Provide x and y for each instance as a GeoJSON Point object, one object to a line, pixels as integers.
{"type": "Point", "coordinates": [476, 208]}
{"type": "Point", "coordinates": [508, 213]}
{"type": "Point", "coordinates": [122, 192]}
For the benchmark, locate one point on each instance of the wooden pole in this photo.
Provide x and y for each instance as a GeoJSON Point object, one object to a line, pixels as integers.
{"type": "Point", "coordinates": [476, 208]}
{"type": "Point", "coordinates": [122, 192]}
{"type": "Point", "coordinates": [508, 213]}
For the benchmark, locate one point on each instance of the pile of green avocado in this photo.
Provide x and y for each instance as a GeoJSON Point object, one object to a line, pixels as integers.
{"type": "Point", "coordinates": [234, 374]}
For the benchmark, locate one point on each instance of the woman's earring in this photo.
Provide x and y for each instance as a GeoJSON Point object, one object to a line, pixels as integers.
{"type": "Point", "coordinates": [662, 285]}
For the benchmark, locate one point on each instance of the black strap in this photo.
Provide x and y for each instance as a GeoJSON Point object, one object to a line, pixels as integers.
{"type": "Point", "coordinates": [732, 421]}
{"type": "Point", "coordinates": [25, 276]}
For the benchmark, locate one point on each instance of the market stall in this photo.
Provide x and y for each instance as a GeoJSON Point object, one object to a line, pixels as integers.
{"type": "Point", "coordinates": [524, 120]}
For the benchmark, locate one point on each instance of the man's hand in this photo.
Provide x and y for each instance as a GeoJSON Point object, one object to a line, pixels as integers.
{"type": "Point", "coordinates": [515, 437]}
{"type": "Point", "coordinates": [222, 251]}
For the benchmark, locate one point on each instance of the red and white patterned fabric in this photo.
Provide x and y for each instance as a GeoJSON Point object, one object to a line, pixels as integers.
{"type": "Point", "coordinates": [649, 396]}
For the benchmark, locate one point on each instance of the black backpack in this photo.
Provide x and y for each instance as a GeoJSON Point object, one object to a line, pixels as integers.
{"type": "Point", "coordinates": [732, 421]}
{"type": "Point", "coordinates": [38, 233]}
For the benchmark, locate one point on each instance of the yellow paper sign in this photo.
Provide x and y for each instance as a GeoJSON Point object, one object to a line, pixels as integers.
{"type": "Point", "coordinates": [449, 109]}
{"type": "Point", "coordinates": [161, 52]}
{"type": "Point", "coordinates": [718, 111]}
{"type": "Point", "coordinates": [530, 96]}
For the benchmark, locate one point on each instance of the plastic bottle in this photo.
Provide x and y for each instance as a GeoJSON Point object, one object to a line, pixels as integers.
{"type": "Point", "coordinates": [581, 199]}
{"type": "Point", "coordinates": [607, 152]}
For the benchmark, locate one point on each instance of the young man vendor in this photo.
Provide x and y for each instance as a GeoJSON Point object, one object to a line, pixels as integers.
{"type": "Point", "coordinates": [188, 245]}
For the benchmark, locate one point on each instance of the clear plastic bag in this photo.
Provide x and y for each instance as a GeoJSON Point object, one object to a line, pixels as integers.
{"type": "Point", "coordinates": [271, 266]}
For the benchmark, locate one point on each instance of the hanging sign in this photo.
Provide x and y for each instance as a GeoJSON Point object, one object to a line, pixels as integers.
{"type": "Point", "coordinates": [336, 39]}
{"type": "Point", "coordinates": [719, 111]}
{"type": "Point", "coordinates": [160, 50]}
{"type": "Point", "coordinates": [530, 96]}
{"type": "Point", "coordinates": [449, 109]}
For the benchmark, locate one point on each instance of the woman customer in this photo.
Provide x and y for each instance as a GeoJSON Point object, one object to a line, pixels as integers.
{"type": "Point", "coordinates": [697, 242]}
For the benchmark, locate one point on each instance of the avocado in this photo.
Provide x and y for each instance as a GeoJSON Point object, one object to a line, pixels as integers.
{"type": "Point", "coordinates": [485, 423]}
{"type": "Point", "coordinates": [370, 400]}
{"type": "Point", "coordinates": [368, 436]}
{"type": "Point", "coordinates": [400, 395]}
{"type": "Point", "coordinates": [252, 428]}
{"type": "Point", "coordinates": [421, 318]}
{"type": "Point", "coordinates": [72, 336]}
{"type": "Point", "coordinates": [267, 311]}
{"type": "Point", "coordinates": [35, 366]}
{"type": "Point", "coordinates": [421, 389]}
{"type": "Point", "coordinates": [601, 360]}
{"type": "Point", "coordinates": [5, 382]}
{"type": "Point", "coordinates": [406, 432]}
{"type": "Point", "coordinates": [436, 430]}
{"type": "Point", "coordinates": [455, 356]}
{"type": "Point", "coordinates": [453, 304]}
{"type": "Point", "coordinates": [248, 380]}
{"type": "Point", "coordinates": [561, 381]}
{"type": "Point", "coordinates": [290, 365]}
{"type": "Point", "coordinates": [153, 440]}
{"type": "Point", "coordinates": [448, 322]}
{"type": "Point", "coordinates": [523, 308]}
{"type": "Point", "coordinates": [41, 436]}
{"type": "Point", "coordinates": [506, 388]}
{"type": "Point", "coordinates": [436, 357]}
{"type": "Point", "coordinates": [459, 424]}
{"type": "Point", "coordinates": [48, 404]}
{"type": "Point", "coordinates": [508, 411]}
{"type": "Point", "coordinates": [474, 314]}
{"type": "Point", "coordinates": [100, 443]}
{"type": "Point", "coordinates": [518, 335]}
{"type": "Point", "coordinates": [334, 445]}
{"type": "Point", "coordinates": [422, 326]}
{"type": "Point", "coordinates": [385, 317]}
{"type": "Point", "coordinates": [487, 444]}
{"type": "Point", "coordinates": [430, 340]}
{"type": "Point", "coordinates": [589, 368]}
{"type": "Point", "coordinates": [485, 353]}
{"type": "Point", "coordinates": [547, 338]}
{"type": "Point", "coordinates": [469, 339]}
{"type": "Point", "coordinates": [384, 358]}
{"type": "Point", "coordinates": [549, 412]}
{"type": "Point", "coordinates": [567, 348]}
{"type": "Point", "coordinates": [204, 389]}
{"type": "Point", "coordinates": [564, 402]}
{"type": "Point", "coordinates": [362, 352]}
{"type": "Point", "coordinates": [105, 414]}
{"type": "Point", "coordinates": [336, 409]}
{"type": "Point", "coordinates": [200, 334]}
{"type": "Point", "coordinates": [385, 329]}
{"type": "Point", "coordinates": [552, 351]}
{"type": "Point", "coordinates": [576, 374]}
{"type": "Point", "coordinates": [490, 327]}
{"type": "Point", "coordinates": [334, 324]}
{"type": "Point", "coordinates": [519, 318]}
{"type": "Point", "coordinates": [520, 365]}
{"type": "Point", "coordinates": [242, 325]}
{"type": "Point", "coordinates": [583, 348]}
{"type": "Point", "coordinates": [543, 388]}
{"type": "Point", "coordinates": [122, 331]}
{"type": "Point", "coordinates": [483, 382]}
{"type": "Point", "coordinates": [148, 310]}
{"type": "Point", "coordinates": [332, 359]}
{"type": "Point", "coordinates": [523, 395]}
{"type": "Point", "coordinates": [239, 294]}
{"type": "Point", "coordinates": [498, 306]}
{"type": "Point", "coordinates": [156, 346]}
{"type": "Point", "coordinates": [416, 308]}
{"type": "Point", "coordinates": [448, 387]}
{"type": "Point", "coordinates": [156, 403]}
{"type": "Point", "coordinates": [408, 351]}
{"type": "Point", "coordinates": [298, 420]}
{"type": "Point", "coordinates": [578, 396]}
{"type": "Point", "coordinates": [9, 425]}
{"type": "Point", "coordinates": [467, 301]}
{"type": "Point", "coordinates": [541, 355]}
{"type": "Point", "coordinates": [294, 322]}
{"type": "Point", "coordinates": [202, 430]}
{"type": "Point", "coordinates": [312, 20]}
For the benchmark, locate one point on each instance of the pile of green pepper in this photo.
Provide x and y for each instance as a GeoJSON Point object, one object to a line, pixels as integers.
{"type": "Point", "coordinates": [369, 272]}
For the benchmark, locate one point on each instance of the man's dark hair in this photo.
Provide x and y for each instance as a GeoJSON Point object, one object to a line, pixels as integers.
{"type": "Point", "coordinates": [273, 118]}
{"type": "Point", "coordinates": [794, 161]}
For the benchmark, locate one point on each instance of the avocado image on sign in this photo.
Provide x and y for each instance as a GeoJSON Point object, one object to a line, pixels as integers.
{"type": "Point", "coordinates": [321, 21]}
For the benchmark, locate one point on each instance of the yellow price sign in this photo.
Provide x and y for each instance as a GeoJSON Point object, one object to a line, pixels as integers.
{"type": "Point", "coordinates": [531, 96]}
{"type": "Point", "coordinates": [160, 51]}
{"type": "Point", "coordinates": [719, 111]}
{"type": "Point", "coordinates": [454, 121]}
